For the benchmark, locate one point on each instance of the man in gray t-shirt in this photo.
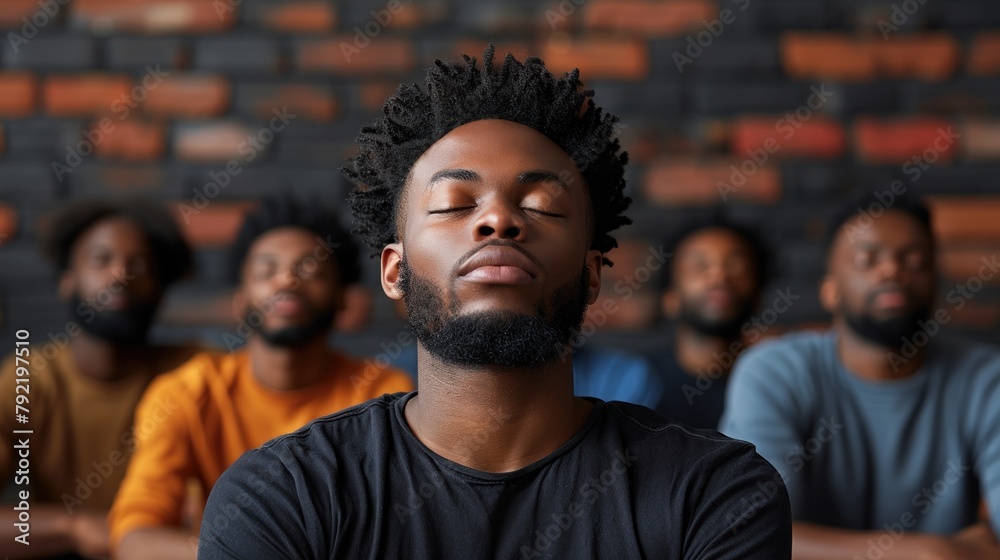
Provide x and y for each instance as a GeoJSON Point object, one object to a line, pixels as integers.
{"type": "Point", "coordinates": [885, 431]}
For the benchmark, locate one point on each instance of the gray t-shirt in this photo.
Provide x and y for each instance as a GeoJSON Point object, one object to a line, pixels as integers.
{"type": "Point", "coordinates": [913, 454]}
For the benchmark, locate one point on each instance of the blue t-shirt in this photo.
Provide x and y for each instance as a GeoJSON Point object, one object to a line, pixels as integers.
{"type": "Point", "coordinates": [918, 453]}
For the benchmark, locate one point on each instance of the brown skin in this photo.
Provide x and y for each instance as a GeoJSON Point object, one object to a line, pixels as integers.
{"type": "Point", "coordinates": [714, 271]}
{"type": "Point", "coordinates": [894, 252]}
{"type": "Point", "coordinates": [518, 416]}
{"type": "Point", "coordinates": [111, 264]}
{"type": "Point", "coordinates": [278, 271]}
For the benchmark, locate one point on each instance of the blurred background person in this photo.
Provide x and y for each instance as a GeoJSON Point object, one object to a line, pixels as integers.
{"type": "Point", "coordinates": [115, 258]}
{"type": "Point", "coordinates": [291, 262]}
{"type": "Point", "coordinates": [712, 286]}
{"type": "Point", "coordinates": [883, 428]}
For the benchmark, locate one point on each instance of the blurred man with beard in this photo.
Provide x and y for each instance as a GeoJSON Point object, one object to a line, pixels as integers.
{"type": "Point", "coordinates": [291, 262]}
{"type": "Point", "coordinates": [115, 259]}
{"type": "Point", "coordinates": [490, 195]}
{"type": "Point", "coordinates": [712, 287]}
{"type": "Point", "coordinates": [884, 429]}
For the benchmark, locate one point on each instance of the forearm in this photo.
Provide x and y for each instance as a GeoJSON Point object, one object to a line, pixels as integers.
{"type": "Point", "coordinates": [818, 542]}
{"type": "Point", "coordinates": [158, 543]}
{"type": "Point", "coordinates": [50, 532]}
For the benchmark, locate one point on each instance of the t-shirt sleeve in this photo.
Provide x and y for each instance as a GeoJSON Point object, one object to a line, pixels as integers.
{"type": "Point", "coordinates": [741, 512]}
{"type": "Point", "coordinates": [765, 408]}
{"type": "Point", "coordinates": [153, 491]}
{"type": "Point", "coordinates": [255, 511]}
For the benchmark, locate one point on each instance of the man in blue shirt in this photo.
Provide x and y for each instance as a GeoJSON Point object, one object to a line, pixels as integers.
{"type": "Point", "coordinates": [885, 431]}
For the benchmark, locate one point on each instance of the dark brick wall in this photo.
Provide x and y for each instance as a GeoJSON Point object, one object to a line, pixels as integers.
{"type": "Point", "coordinates": [777, 108]}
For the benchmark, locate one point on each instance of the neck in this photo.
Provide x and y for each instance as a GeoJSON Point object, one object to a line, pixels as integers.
{"type": "Point", "coordinates": [98, 359]}
{"type": "Point", "coordinates": [495, 419]}
{"type": "Point", "coordinates": [702, 356]}
{"type": "Point", "coordinates": [871, 361]}
{"type": "Point", "coordinates": [289, 368]}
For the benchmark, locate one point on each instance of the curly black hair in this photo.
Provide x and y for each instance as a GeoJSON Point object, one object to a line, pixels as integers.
{"type": "Point", "coordinates": [283, 210]}
{"type": "Point", "coordinates": [172, 252]}
{"type": "Point", "coordinates": [716, 218]}
{"type": "Point", "coordinates": [526, 93]}
{"type": "Point", "coordinates": [869, 203]}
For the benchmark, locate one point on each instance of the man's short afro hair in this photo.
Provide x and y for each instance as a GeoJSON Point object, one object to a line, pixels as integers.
{"type": "Point", "coordinates": [869, 204]}
{"type": "Point", "coordinates": [458, 93]}
{"type": "Point", "coordinates": [285, 211]}
{"type": "Point", "coordinates": [172, 252]}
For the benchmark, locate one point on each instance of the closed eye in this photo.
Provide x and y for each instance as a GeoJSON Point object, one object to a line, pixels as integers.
{"type": "Point", "coordinates": [543, 212]}
{"type": "Point", "coordinates": [450, 210]}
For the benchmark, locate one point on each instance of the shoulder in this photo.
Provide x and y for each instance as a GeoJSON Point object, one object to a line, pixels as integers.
{"type": "Point", "coordinates": [193, 378]}
{"type": "Point", "coordinates": [794, 358]}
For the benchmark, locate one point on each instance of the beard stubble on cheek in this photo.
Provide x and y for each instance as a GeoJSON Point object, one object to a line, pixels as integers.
{"type": "Point", "coordinates": [493, 337]}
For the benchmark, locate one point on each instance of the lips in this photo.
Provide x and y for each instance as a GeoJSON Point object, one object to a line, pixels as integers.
{"type": "Point", "coordinates": [497, 264]}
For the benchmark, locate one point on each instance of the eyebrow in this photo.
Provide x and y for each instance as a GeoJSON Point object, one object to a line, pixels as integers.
{"type": "Point", "coordinates": [467, 175]}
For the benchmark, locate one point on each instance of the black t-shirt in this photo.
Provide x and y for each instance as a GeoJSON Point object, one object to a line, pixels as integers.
{"type": "Point", "coordinates": [697, 402]}
{"type": "Point", "coordinates": [631, 484]}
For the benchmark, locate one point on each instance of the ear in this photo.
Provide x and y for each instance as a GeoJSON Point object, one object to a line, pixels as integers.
{"type": "Point", "coordinates": [392, 255]}
{"type": "Point", "coordinates": [67, 285]}
{"type": "Point", "coordinates": [594, 264]}
{"type": "Point", "coordinates": [670, 304]}
{"type": "Point", "coordinates": [829, 294]}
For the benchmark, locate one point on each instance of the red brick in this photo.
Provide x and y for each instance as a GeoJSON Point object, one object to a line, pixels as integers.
{"type": "Point", "coordinates": [216, 142]}
{"type": "Point", "coordinates": [612, 311]}
{"type": "Point", "coordinates": [374, 94]}
{"type": "Point", "coordinates": [215, 225]}
{"type": "Point", "coordinates": [189, 96]}
{"type": "Point", "coordinates": [200, 310]}
{"type": "Point", "coordinates": [966, 219]}
{"type": "Point", "coordinates": [976, 314]}
{"type": "Point", "coordinates": [84, 95]}
{"type": "Point", "coordinates": [984, 54]}
{"type": "Point", "coordinates": [310, 102]}
{"type": "Point", "coordinates": [154, 16]}
{"type": "Point", "coordinates": [962, 264]}
{"type": "Point", "coordinates": [706, 182]}
{"type": "Point", "coordinates": [8, 223]}
{"type": "Point", "coordinates": [818, 137]}
{"type": "Point", "coordinates": [12, 12]}
{"type": "Point", "coordinates": [133, 141]}
{"type": "Point", "coordinates": [18, 91]}
{"type": "Point", "coordinates": [342, 56]}
{"type": "Point", "coordinates": [622, 59]}
{"type": "Point", "coordinates": [898, 141]}
{"type": "Point", "coordinates": [649, 18]}
{"type": "Point", "coordinates": [827, 56]}
{"type": "Point", "coordinates": [133, 178]}
{"type": "Point", "coordinates": [929, 56]}
{"type": "Point", "coordinates": [300, 17]}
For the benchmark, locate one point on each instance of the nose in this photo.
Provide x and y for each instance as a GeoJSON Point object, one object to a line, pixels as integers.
{"type": "Point", "coordinates": [501, 220]}
{"type": "Point", "coordinates": [889, 267]}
